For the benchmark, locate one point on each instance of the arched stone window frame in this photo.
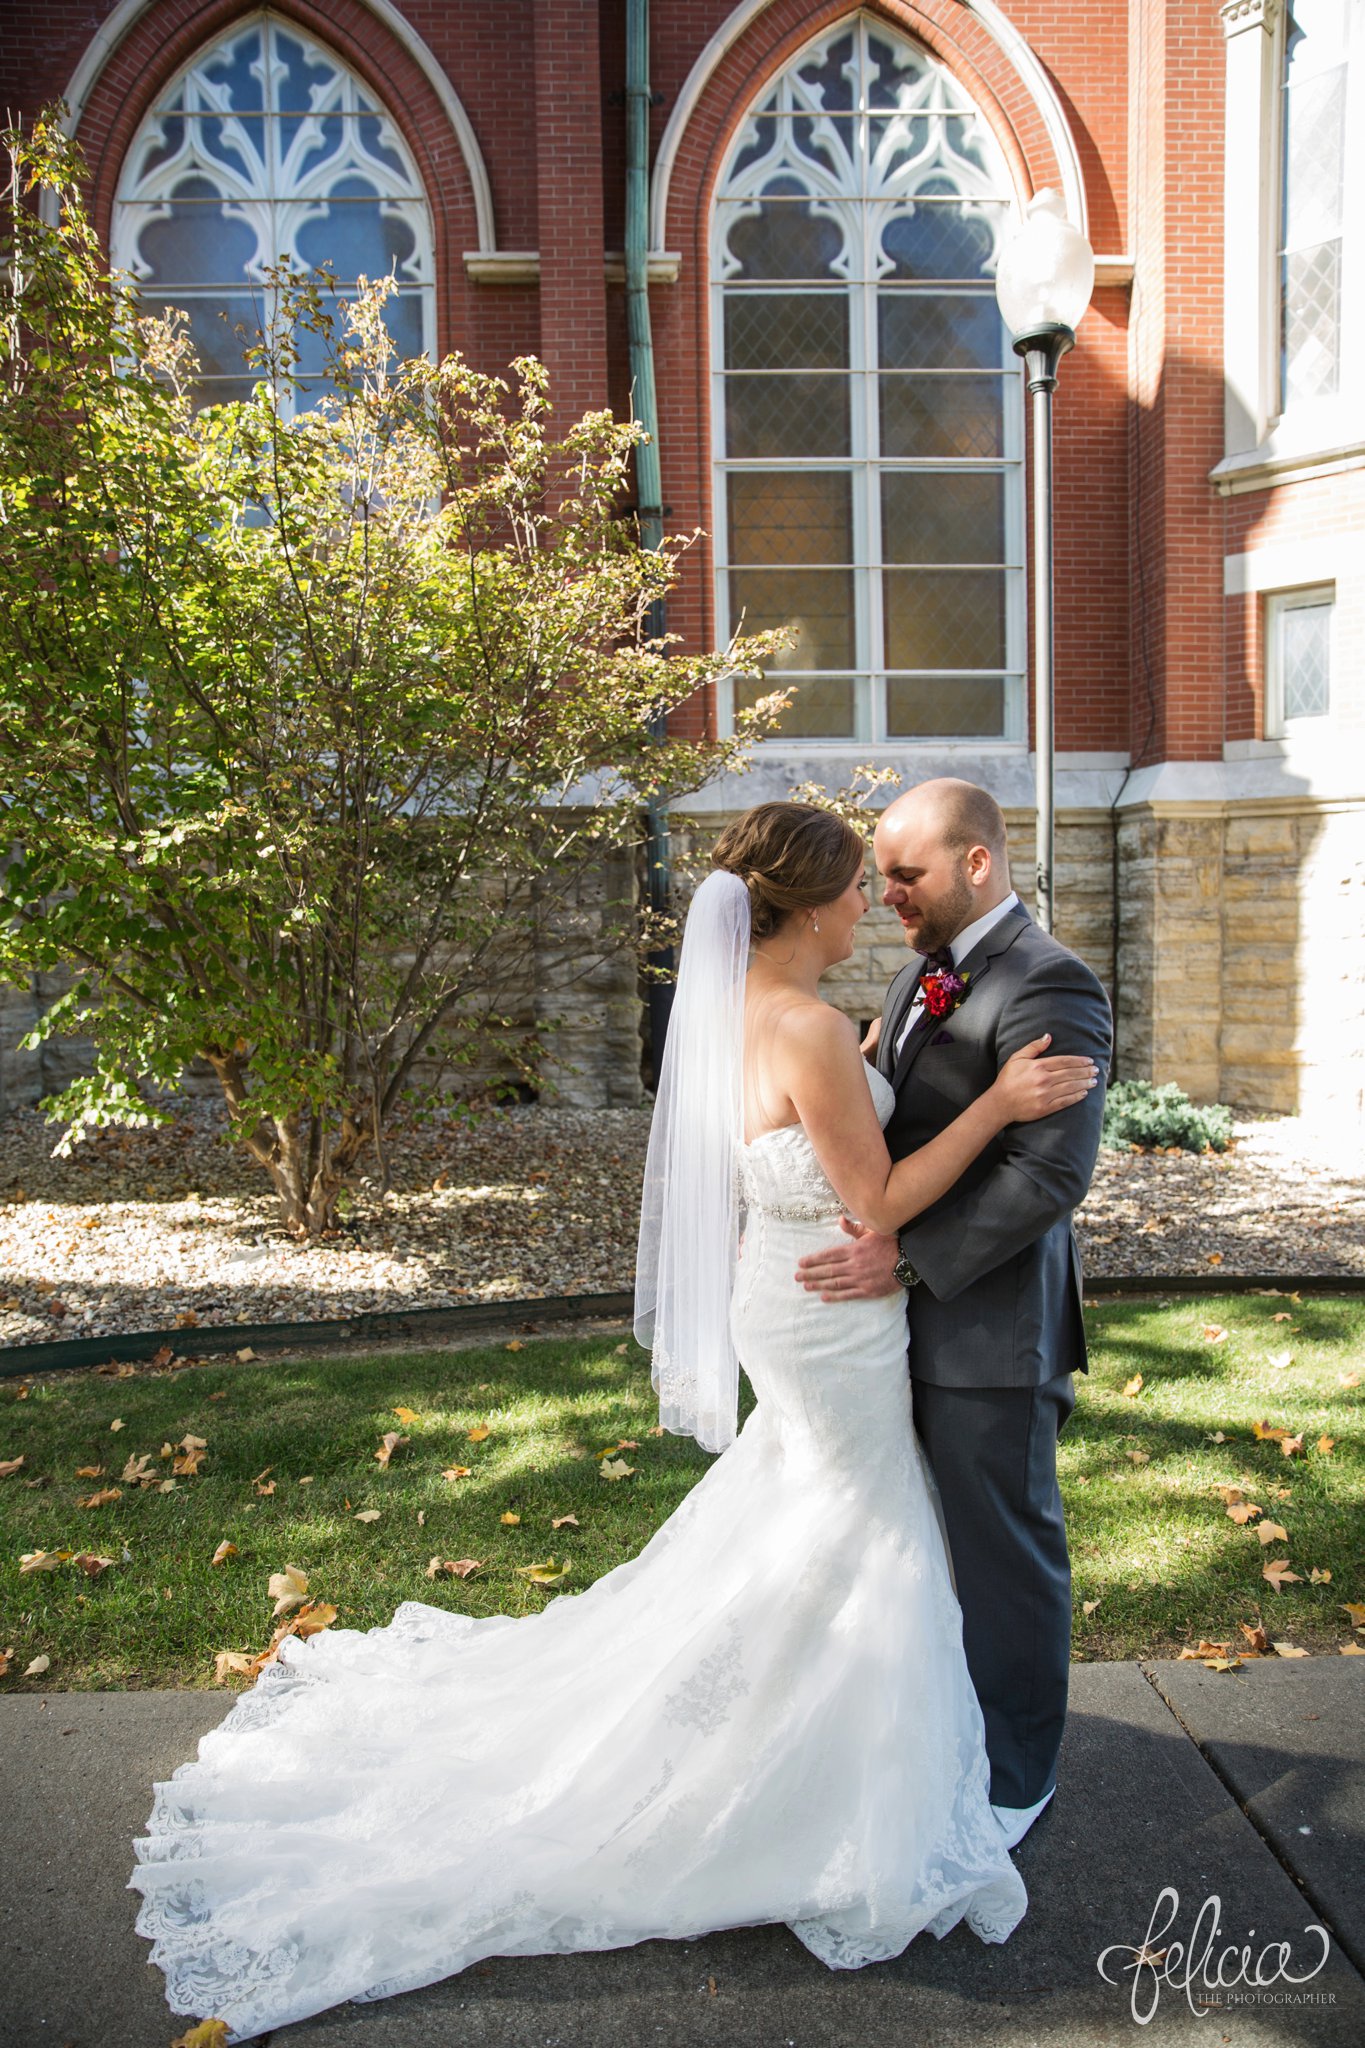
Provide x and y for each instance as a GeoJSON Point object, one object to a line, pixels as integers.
{"type": "Point", "coordinates": [879, 696]}
{"type": "Point", "coordinates": [267, 147]}
{"type": "Point", "coordinates": [143, 43]}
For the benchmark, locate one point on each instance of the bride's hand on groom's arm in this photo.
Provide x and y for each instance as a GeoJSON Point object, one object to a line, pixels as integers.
{"type": "Point", "coordinates": [862, 1269]}
{"type": "Point", "coordinates": [1030, 1086]}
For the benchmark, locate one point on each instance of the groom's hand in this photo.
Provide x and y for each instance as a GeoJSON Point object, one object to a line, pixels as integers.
{"type": "Point", "coordinates": [862, 1270]}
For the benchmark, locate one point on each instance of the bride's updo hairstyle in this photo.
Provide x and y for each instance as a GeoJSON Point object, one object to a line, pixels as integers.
{"type": "Point", "coordinates": [790, 857]}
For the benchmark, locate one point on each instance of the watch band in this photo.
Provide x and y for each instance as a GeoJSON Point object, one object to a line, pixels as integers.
{"type": "Point", "coordinates": [905, 1270]}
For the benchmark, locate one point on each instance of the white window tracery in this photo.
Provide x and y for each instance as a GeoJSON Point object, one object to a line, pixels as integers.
{"type": "Point", "coordinates": [867, 408]}
{"type": "Point", "coordinates": [266, 149]}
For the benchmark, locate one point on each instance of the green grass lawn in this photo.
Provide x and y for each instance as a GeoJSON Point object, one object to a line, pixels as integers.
{"type": "Point", "coordinates": [1151, 1541]}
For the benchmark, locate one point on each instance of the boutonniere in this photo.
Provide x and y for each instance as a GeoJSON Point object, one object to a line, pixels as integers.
{"type": "Point", "coordinates": [943, 991]}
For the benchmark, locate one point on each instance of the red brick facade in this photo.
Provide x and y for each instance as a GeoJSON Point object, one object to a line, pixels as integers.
{"type": "Point", "coordinates": [1156, 669]}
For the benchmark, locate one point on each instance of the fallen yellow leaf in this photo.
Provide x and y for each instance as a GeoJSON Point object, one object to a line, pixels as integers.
{"type": "Point", "coordinates": [547, 1574]}
{"type": "Point", "coordinates": [1134, 1385]}
{"type": "Point", "coordinates": [205, 2033]}
{"type": "Point", "coordinates": [457, 1472]}
{"type": "Point", "coordinates": [615, 1468]}
{"type": "Point", "coordinates": [1320, 1578]}
{"type": "Point", "coordinates": [477, 1434]}
{"type": "Point", "coordinates": [1279, 1574]}
{"type": "Point", "coordinates": [224, 1551]}
{"type": "Point", "coordinates": [509, 1519]}
{"type": "Point", "coordinates": [288, 1589]}
{"type": "Point", "coordinates": [392, 1442]}
{"type": "Point", "coordinates": [366, 1515]}
{"type": "Point", "coordinates": [38, 1666]}
{"type": "Point", "coordinates": [564, 1521]}
{"type": "Point", "coordinates": [407, 1415]}
{"type": "Point", "coordinates": [1288, 1650]}
{"type": "Point", "coordinates": [1271, 1532]}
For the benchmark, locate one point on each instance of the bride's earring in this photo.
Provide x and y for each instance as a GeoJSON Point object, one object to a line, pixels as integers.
{"type": "Point", "coordinates": [815, 924]}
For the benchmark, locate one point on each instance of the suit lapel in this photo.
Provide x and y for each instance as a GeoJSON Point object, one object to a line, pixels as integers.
{"type": "Point", "coordinates": [977, 964]}
{"type": "Point", "coordinates": [895, 1017]}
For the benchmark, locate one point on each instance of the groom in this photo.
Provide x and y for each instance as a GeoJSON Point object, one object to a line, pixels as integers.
{"type": "Point", "coordinates": [991, 1272]}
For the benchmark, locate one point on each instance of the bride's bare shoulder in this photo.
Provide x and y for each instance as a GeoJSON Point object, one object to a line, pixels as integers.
{"type": "Point", "coordinates": [810, 1028]}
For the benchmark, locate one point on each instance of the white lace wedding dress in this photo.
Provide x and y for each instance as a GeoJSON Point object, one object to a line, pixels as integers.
{"type": "Point", "coordinates": [765, 1716]}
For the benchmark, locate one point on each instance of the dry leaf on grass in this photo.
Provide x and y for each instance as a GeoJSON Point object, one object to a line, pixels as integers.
{"type": "Point", "coordinates": [1133, 1386]}
{"type": "Point", "coordinates": [563, 1521]}
{"type": "Point", "coordinates": [457, 1472]}
{"type": "Point", "coordinates": [477, 1434]}
{"type": "Point", "coordinates": [1241, 1512]}
{"type": "Point", "coordinates": [10, 1465]}
{"type": "Point", "coordinates": [224, 1551]}
{"type": "Point", "coordinates": [392, 1442]}
{"type": "Point", "coordinates": [91, 1565]}
{"type": "Point", "coordinates": [1213, 1333]}
{"type": "Point", "coordinates": [1288, 1650]}
{"type": "Point", "coordinates": [102, 1498]}
{"type": "Point", "coordinates": [288, 1589]}
{"type": "Point", "coordinates": [1278, 1574]}
{"type": "Point", "coordinates": [407, 1415]}
{"type": "Point", "coordinates": [38, 1666]}
{"type": "Point", "coordinates": [1351, 1649]}
{"type": "Point", "coordinates": [615, 1468]}
{"type": "Point", "coordinates": [1255, 1635]}
{"type": "Point", "coordinates": [509, 1519]}
{"type": "Point", "coordinates": [547, 1574]}
{"type": "Point", "coordinates": [366, 1515]}
{"type": "Point", "coordinates": [1272, 1532]}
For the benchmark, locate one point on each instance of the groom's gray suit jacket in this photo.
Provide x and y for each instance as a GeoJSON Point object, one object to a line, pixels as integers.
{"type": "Point", "coordinates": [999, 1300]}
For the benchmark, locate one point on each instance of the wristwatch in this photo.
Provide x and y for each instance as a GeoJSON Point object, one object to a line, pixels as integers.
{"type": "Point", "coordinates": [905, 1271]}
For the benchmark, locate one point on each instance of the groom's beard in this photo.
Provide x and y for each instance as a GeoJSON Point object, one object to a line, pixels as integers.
{"type": "Point", "coordinates": [951, 915]}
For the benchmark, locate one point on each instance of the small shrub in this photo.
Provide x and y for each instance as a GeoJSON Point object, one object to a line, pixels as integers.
{"type": "Point", "coordinates": [1136, 1113]}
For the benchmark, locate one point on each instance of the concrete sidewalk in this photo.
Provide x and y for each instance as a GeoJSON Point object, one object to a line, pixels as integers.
{"type": "Point", "coordinates": [1247, 1788]}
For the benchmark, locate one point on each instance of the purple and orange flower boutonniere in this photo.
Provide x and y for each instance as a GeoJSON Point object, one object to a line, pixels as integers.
{"type": "Point", "coordinates": [943, 991]}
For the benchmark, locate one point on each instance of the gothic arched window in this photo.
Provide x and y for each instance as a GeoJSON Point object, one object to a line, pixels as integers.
{"type": "Point", "coordinates": [867, 408]}
{"type": "Point", "coordinates": [266, 148]}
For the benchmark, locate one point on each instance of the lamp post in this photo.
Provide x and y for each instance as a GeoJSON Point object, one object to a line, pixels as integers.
{"type": "Point", "coordinates": [1043, 283]}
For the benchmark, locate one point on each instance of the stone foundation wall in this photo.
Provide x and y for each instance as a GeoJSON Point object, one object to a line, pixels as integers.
{"type": "Point", "coordinates": [1241, 960]}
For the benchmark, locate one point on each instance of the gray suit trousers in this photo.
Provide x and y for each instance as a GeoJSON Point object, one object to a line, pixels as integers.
{"type": "Point", "coordinates": [994, 1454]}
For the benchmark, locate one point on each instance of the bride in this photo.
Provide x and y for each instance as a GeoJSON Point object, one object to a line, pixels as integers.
{"type": "Point", "coordinates": [766, 1715]}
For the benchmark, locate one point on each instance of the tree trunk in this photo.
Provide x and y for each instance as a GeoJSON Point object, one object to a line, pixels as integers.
{"type": "Point", "coordinates": [279, 1145]}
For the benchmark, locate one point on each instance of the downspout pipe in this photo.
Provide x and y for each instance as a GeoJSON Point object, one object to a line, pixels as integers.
{"type": "Point", "coordinates": [648, 476]}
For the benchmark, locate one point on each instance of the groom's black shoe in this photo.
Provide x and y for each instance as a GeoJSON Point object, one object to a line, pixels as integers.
{"type": "Point", "coordinates": [1017, 1820]}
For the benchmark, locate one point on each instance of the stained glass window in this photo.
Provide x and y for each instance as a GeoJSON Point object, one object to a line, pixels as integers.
{"type": "Point", "coordinates": [867, 407]}
{"type": "Point", "coordinates": [267, 149]}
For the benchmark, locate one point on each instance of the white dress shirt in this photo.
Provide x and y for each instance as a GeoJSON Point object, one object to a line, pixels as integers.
{"type": "Point", "coordinates": [961, 947]}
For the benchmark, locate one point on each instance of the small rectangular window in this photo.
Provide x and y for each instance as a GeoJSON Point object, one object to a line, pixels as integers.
{"type": "Point", "coordinates": [1298, 657]}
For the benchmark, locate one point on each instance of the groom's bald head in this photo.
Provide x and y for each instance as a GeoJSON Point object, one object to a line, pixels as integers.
{"type": "Point", "coordinates": [941, 849]}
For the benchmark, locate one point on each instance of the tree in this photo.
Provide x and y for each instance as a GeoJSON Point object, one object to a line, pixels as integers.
{"type": "Point", "coordinates": [311, 720]}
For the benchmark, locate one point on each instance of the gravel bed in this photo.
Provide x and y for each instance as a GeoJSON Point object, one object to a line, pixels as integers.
{"type": "Point", "coordinates": [171, 1228]}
